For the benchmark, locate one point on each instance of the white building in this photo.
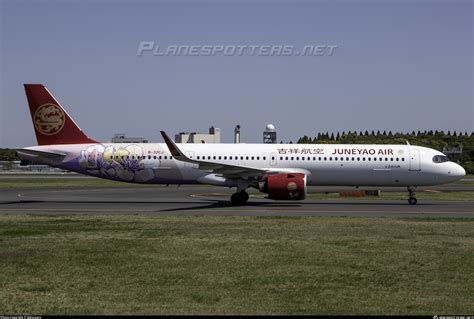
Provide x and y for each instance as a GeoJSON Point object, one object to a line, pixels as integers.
{"type": "Point", "coordinates": [270, 134]}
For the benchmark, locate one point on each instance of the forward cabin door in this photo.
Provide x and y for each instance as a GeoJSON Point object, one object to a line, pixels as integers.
{"type": "Point", "coordinates": [414, 160]}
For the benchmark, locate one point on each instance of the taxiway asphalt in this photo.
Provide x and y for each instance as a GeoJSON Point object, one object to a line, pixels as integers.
{"type": "Point", "coordinates": [206, 200]}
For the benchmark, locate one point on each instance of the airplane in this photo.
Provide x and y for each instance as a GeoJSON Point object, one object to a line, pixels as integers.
{"type": "Point", "coordinates": [282, 171]}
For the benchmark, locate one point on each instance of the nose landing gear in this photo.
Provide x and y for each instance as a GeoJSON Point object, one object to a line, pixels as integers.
{"type": "Point", "coordinates": [239, 198]}
{"type": "Point", "coordinates": [411, 193]}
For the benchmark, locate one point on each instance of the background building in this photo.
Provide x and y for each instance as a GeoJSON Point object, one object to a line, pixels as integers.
{"type": "Point", "coordinates": [270, 134]}
{"type": "Point", "coordinates": [121, 138]}
{"type": "Point", "coordinates": [237, 134]}
{"type": "Point", "coordinates": [214, 136]}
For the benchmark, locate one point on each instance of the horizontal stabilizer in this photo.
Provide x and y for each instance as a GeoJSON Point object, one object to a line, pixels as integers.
{"type": "Point", "coordinates": [49, 155]}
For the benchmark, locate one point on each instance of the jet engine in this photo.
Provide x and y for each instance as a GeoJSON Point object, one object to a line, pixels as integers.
{"type": "Point", "coordinates": [284, 186]}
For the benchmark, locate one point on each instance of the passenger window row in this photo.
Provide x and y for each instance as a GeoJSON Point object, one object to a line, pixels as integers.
{"type": "Point", "coordinates": [282, 158]}
{"type": "Point", "coordinates": [235, 158]}
{"type": "Point", "coordinates": [347, 159]}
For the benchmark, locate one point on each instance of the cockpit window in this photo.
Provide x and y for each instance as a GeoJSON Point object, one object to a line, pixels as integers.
{"type": "Point", "coordinates": [440, 159]}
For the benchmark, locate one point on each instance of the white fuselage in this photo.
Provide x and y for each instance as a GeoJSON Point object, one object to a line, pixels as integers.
{"type": "Point", "coordinates": [323, 164]}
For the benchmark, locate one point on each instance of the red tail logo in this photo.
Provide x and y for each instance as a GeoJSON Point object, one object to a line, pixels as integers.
{"type": "Point", "coordinates": [52, 124]}
{"type": "Point", "coordinates": [49, 119]}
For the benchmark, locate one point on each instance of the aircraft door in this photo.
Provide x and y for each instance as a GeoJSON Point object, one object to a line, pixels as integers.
{"type": "Point", "coordinates": [273, 159]}
{"type": "Point", "coordinates": [414, 160]}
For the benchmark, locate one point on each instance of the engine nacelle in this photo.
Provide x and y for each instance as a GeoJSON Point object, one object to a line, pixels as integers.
{"type": "Point", "coordinates": [284, 186]}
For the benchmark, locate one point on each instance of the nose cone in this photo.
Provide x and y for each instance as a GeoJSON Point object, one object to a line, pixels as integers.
{"type": "Point", "coordinates": [456, 171]}
{"type": "Point", "coordinates": [461, 171]}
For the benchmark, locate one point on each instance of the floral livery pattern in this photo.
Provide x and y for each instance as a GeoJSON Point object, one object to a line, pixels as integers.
{"type": "Point", "coordinates": [126, 163]}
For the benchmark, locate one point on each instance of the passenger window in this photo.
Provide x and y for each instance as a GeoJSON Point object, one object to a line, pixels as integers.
{"type": "Point", "coordinates": [286, 158]}
{"type": "Point", "coordinates": [292, 158]}
{"type": "Point", "coordinates": [154, 157]}
{"type": "Point", "coordinates": [281, 158]}
{"type": "Point", "coordinates": [258, 158]}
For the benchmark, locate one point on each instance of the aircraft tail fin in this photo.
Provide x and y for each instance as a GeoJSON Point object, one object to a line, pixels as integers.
{"type": "Point", "coordinates": [51, 122]}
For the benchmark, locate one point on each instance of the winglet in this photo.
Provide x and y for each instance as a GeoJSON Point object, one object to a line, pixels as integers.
{"type": "Point", "coordinates": [174, 150]}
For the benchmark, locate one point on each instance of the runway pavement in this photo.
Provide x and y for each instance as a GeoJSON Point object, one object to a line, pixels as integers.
{"type": "Point", "coordinates": [205, 200]}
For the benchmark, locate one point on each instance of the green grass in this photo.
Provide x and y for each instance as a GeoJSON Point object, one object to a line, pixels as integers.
{"type": "Point", "coordinates": [235, 265]}
{"type": "Point", "coordinates": [62, 182]}
{"type": "Point", "coordinates": [438, 195]}
{"type": "Point", "coordinates": [422, 195]}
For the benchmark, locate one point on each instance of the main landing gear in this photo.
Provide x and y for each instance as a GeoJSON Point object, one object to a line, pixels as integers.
{"type": "Point", "coordinates": [239, 198]}
{"type": "Point", "coordinates": [411, 193]}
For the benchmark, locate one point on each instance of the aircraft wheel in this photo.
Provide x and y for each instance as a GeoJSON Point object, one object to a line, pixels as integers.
{"type": "Point", "coordinates": [412, 201]}
{"type": "Point", "coordinates": [245, 196]}
{"type": "Point", "coordinates": [239, 198]}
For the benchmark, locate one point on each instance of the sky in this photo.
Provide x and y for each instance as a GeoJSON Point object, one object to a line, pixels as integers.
{"type": "Point", "coordinates": [397, 65]}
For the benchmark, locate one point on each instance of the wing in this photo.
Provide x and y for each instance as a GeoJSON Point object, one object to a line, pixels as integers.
{"type": "Point", "coordinates": [226, 170]}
